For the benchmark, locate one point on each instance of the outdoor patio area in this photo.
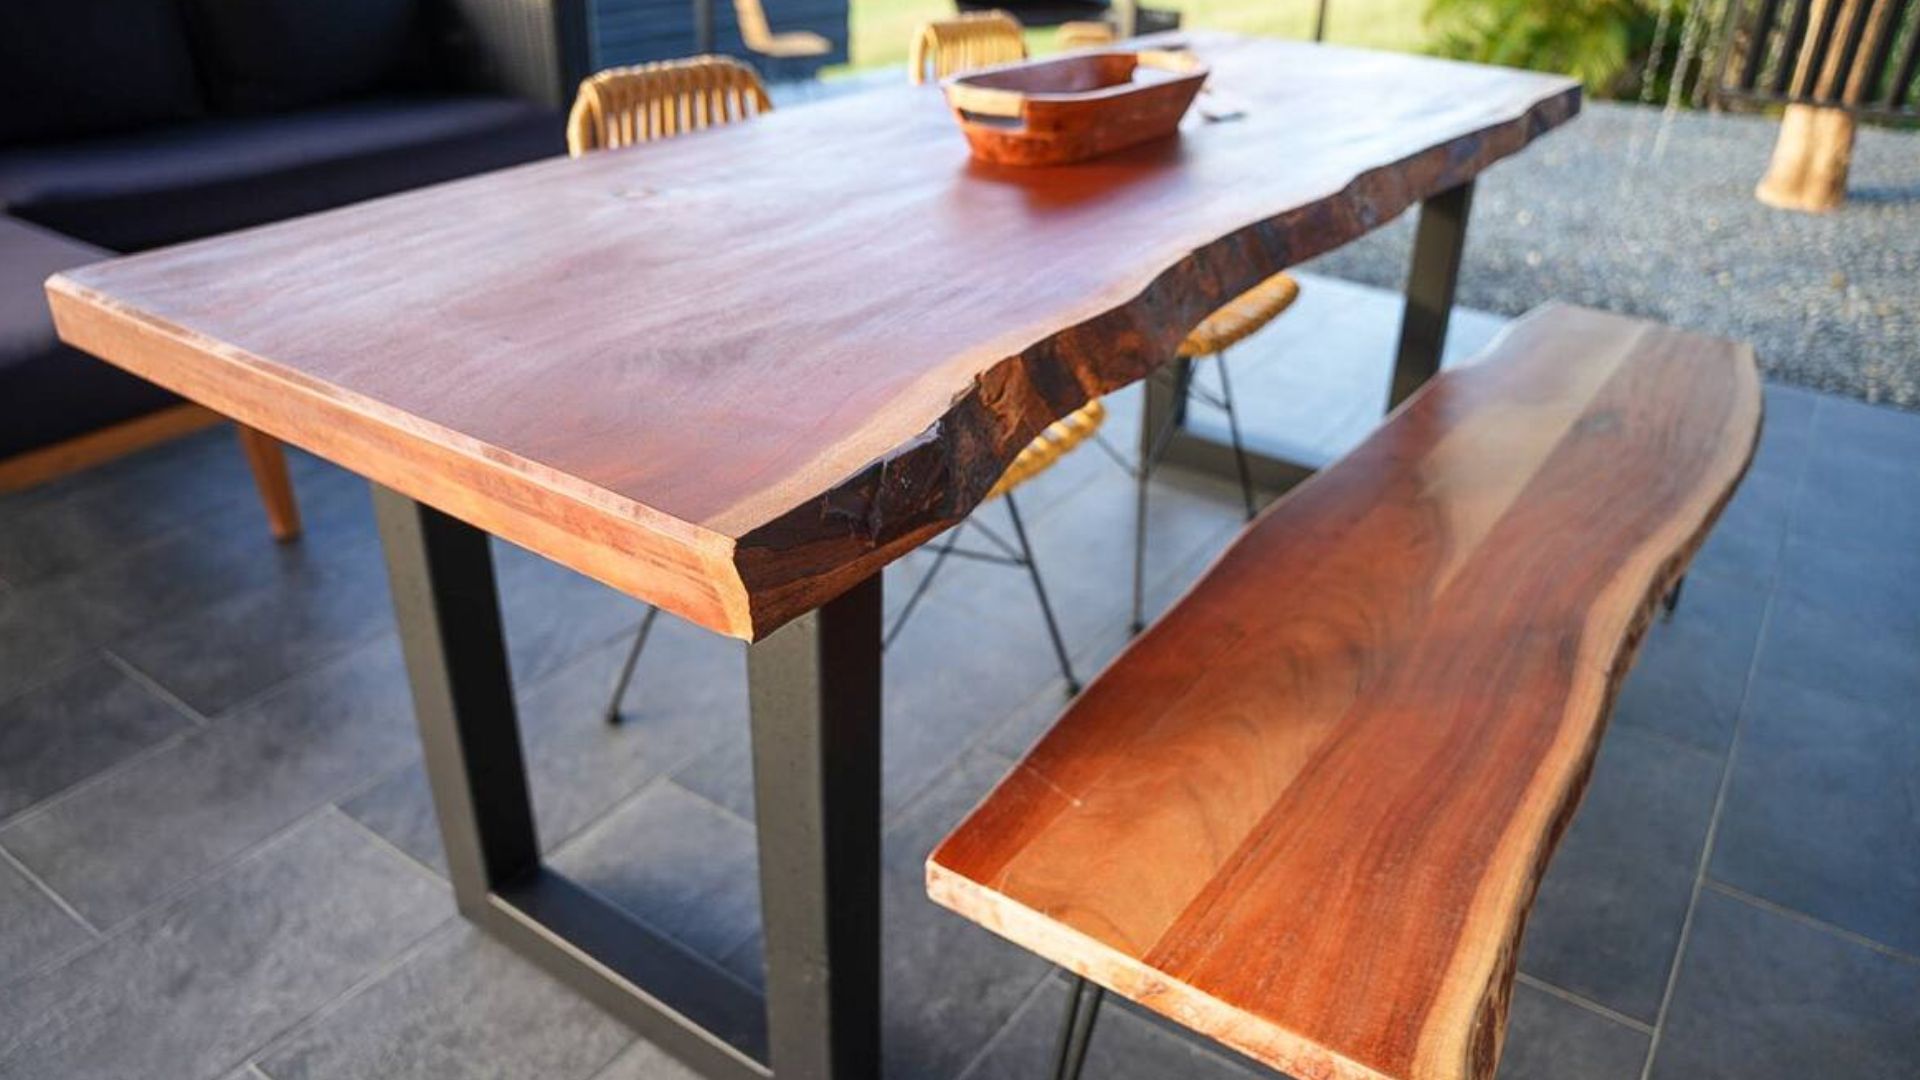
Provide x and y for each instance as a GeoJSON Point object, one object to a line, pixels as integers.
{"type": "Point", "coordinates": [218, 856]}
{"type": "Point", "coordinates": [1641, 210]}
{"type": "Point", "coordinates": [960, 540]}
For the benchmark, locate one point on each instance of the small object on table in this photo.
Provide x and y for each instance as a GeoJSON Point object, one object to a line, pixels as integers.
{"type": "Point", "coordinates": [1218, 108]}
{"type": "Point", "coordinates": [1072, 108]}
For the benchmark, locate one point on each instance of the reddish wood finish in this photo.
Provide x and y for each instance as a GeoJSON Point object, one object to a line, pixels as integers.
{"type": "Point", "coordinates": [1073, 108]}
{"type": "Point", "coordinates": [1307, 811]}
{"type": "Point", "coordinates": [734, 373]}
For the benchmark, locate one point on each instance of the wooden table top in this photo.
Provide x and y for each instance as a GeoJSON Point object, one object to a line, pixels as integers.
{"type": "Point", "coordinates": [736, 372]}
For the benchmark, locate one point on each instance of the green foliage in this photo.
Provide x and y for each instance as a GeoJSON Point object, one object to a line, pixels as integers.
{"type": "Point", "coordinates": [1603, 43]}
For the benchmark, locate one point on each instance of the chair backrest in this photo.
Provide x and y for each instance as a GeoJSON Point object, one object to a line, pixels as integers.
{"type": "Point", "coordinates": [974, 40]}
{"type": "Point", "coordinates": [1085, 35]}
{"type": "Point", "coordinates": [623, 106]}
{"type": "Point", "coordinates": [755, 32]}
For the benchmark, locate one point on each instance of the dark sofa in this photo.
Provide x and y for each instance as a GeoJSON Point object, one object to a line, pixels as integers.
{"type": "Point", "coordinates": [129, 124]}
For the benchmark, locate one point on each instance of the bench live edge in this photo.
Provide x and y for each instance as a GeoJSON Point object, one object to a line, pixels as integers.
{"type": "Point", "coordinates": [1306, 813]}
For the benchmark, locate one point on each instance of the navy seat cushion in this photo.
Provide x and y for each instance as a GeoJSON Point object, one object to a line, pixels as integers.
{"type": "Point", "coordinates": [265, 55]}
{"type": "Point", "coordinates": [141, 190]}
{"type": "Point", "coordinates": [49, 392]}
{"type": "Point", "coordinates": [70, 68]}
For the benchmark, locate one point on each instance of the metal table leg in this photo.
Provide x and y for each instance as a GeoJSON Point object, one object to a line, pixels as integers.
{"type": "Point", "coordinates": [815, 693]}
{"type": "Point", "coordinates": [816, 719]}
{"type": "Point", "coordinates": [1437, 246]}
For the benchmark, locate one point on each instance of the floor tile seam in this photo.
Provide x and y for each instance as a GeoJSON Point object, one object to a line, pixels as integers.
{"type": "Point", "coordinates": [665, 773]}
{"type": "Point", "coordinates": [713, 965]}
{"type": "Point", "coordinates": [153, 686]}
{"type": "Point", "coordinates": [47, 677]}
{"type": "Point", "coordinates": [266, 693]}
{"type": "Point", "coordinates": [198, 727]}
{"type": "Point", "coordinates": [374, 834]}
{"type": "Point", "coordinates": [1724, 787]}
{"type": "Point", "coordinates": [208, 875]}
{"type": "Point", "coordinates": [1713, 830]}
{"type": "Point", "coordinates": [980, 742]}
{"type": "Point", "coordinates": [320, 1013]}
{"type": "Point", "coordinates": [1668, 740]}
{"type": "Point", "coordinates": [1028, 1002]}
{"type": "Point", "coordinates": [52, 801]}
{"type": "Point", "coordinates": [1815, 922]}
{"type": "Point", "coordinates": [177, 893]}
{"type": "Point", "coordinates": [558, 851]}
{"type": "Point", "coordinates": [579, 657]}
{"type": "Point", "coordinates": [1581, 1001]}
{"type": "Point", "coordinates": [52, 895]}
{"type": "Point", "coordinates": [1035, 526]}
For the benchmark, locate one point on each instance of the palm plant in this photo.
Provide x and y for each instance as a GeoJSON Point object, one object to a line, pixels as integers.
{"type": "Point", "coordinates": [1603, 43]}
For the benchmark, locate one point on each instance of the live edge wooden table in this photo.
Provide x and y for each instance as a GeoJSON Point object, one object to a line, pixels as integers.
{"type": "Point", "coordinates": [734, 375]}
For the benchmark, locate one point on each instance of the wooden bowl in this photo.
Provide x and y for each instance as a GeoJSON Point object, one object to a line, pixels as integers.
{"type": "Point", "coordinates": [1071, 108]}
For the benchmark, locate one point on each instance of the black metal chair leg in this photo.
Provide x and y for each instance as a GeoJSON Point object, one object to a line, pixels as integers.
{"type": "Point", "coordinates": [626, 667]}
{"type": "Point", "coordinates": [919, 590]}
{"type": "Point", "coordinates": [1040, 592]}
{"type": "Point", "coordinates": [1142, 474]}
{"type": "Point", "coordinates": [1076, 1029]}
{"type": "Point", "coordinates": [1233, 430]}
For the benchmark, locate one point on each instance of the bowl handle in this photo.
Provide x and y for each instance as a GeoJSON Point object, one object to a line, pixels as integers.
{"type": "Point", "coordinates": [986, 101]}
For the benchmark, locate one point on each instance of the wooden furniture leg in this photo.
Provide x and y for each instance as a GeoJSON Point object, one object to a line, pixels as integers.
{"type": "Point", "coordinates": [50, 463]}
{"type": "Point", "coordinates": [268, 459]}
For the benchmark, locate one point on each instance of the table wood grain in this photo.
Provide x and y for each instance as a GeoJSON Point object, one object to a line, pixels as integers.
{"type": "Point", "coordinates": [735, 373]}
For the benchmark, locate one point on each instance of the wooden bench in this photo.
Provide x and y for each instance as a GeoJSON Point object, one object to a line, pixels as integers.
{"type": "Point", "coordinates": [1306, 813]}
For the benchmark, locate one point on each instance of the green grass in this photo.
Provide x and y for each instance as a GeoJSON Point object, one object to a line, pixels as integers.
{"type": "Point", "coordinates": [881, 28]}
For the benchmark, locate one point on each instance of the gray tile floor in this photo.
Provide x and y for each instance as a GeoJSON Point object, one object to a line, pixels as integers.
{"type": "Point", "coordinates": [218, 860]}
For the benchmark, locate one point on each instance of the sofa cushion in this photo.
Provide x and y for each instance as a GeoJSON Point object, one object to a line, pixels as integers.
{"type": "Point", "coordinates": [70, 68]}
{"type": "Point", "coordinates": [49, 392]}
{"type": "Point", "coordinates": [263, 55]}
{"type": "Point", "coordinates": [138, 191]}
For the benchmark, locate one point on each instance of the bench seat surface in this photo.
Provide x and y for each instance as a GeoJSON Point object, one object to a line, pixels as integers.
{"type": "Point", "coordinates": [1307, 811]}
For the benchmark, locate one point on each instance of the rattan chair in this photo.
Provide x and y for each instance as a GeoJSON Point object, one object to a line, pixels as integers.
{"type": "Point", "coordinates": [963, 43]}
{"type": "Point", "coordinates": [758, 37]}
{"type": "Point", "coordinates": [1085, 35]}
{"type": "Point", "coordinates": [1246, 314]}
{"type": "Point", "coordinates": [952, 46]}
{"type": "Point", "coordinates": [629, 105]}
{"type": "Point", "coordinates": [624, 106]}
{"type": "Point", "coordinates": [1036, 457]}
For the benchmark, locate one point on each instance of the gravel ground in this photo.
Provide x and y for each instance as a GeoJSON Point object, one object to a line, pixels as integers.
{"type": "Point", "coordinates": [1611, 213]}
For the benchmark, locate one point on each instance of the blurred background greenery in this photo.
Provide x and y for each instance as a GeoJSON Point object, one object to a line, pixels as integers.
{"type": "Point", "coordinates": [1606, 43]}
